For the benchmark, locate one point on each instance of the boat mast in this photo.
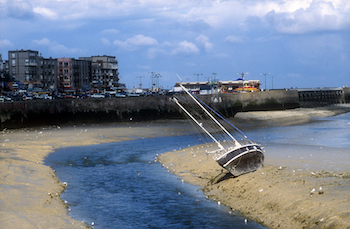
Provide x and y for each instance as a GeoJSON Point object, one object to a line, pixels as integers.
{"type": "Point", "coordinates": [199, 124]}
{"type": "Point", "coordinates": [206, 111]}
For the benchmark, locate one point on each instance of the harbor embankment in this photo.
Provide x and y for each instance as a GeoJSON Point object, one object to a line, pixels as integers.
{"type": "Point", "coordinates": [77, 111]}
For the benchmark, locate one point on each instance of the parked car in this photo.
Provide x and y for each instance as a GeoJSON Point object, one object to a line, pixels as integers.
{"type": "Point", "coordinates": [69, 96]}
{"type": "Point", "coordinates": [4, 98]}
{"type": "Point", "coordinates": [27, 97]}
{"type": "Point", "coordinates": [118, 95]}
{"type": "Point", "coordinates": [97, 96]}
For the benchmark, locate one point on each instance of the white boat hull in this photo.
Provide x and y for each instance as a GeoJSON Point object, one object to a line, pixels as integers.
{"type": "Point", "coordinates": [245, 159]}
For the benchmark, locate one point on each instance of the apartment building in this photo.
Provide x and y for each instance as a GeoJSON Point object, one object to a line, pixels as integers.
{"type": "Point", "coordinates": [23, 65]}
{"type": "Point", "coordinates": [31, 69]}
{"type": "Point", "coordinates": [48, 73]}
{"type": "Point", "coordinates": [104, 70]}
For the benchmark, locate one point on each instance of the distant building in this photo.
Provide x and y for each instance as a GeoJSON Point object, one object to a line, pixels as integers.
{"type": "Point", "coordinates": [30, 68]}
{"type": "Point", "coordinates": [207, 87]}
{"type": "Point", "coordinates": [104, 71]}
{"type": "Point", "coordinates": [23, 65]}
{"type": "Point", "coordinates": [48, 73]}
{"type": "Point", "coordinates": [72, 73]}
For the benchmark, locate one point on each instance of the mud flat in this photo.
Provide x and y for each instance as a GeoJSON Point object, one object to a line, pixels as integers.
{"type": "Point", "coordinates": [30, 191]}
{"type": "Point", "coordinates": [275, 196]}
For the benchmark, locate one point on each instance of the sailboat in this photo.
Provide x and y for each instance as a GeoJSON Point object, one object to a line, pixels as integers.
{"type": "Point", "coordinates": [238, 155]}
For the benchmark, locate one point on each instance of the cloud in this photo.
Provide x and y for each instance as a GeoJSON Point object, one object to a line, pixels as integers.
{"type": "Point", "coordinates": [234, 39]}
{"type": "Point", "coordinates": [318, 16]}
{"type": "Point", "coordinates": [135, 42]}
{"type": "Point", "coordinates": [46, 12]}
{"type": "Point", "coordinates": [19, 9]}
{"type": "Point", "coordinates": [5, 43]}
{"type": "Point", "coordinates": [186, 48]}
{"type": "Point", "coordinates": [110, 31]}
{"type": "Point", "coordinates": [204, 40]}
{"type": "Point", "coordinates": [55, 47]}
{"type": "Point", "coordinates": [105, 41]}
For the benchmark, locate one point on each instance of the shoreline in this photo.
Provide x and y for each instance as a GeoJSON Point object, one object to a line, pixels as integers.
{"type": "Point", "coordinates": [30, 190]}
{"type": "Point", "coordinates": [275, 196]}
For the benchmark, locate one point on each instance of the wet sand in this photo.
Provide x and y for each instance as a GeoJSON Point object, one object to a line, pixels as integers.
{"type": "Point", "coordinates": [30, 191]}
{"type": "Point", "coordinates": [273, 196]}
{"type": "Point", "coordinates": [279, 195]}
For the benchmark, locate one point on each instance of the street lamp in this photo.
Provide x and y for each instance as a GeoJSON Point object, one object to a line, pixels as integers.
{"type": "Point", "coordinates": [140, 80]}
{"type": "Point", "coordinates": [265, 77]}
{"type": "Point", "coordinates": [242, 78]}
{"type": "Point", "coordinates": [198, 74]}
{"type": "Point", "coordinates": [272, 80]}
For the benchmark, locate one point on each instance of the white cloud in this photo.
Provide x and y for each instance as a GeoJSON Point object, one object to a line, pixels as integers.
{"type": "Point", "coordinates": [135, 42]}
{"type": "Point", "coordinates": [186, 48]}
{"type": "Point", "coordinates": [57, 48]}
{"type": "Point", "coordinates": [318, 16]}
{"type": "Point", "coordinates": [105, 41]}
{"type": "Point", "coordinates": [45, 12]}
{"type": "Point", "coordinates": [204, 40]}
{"type": "Point", "coordinates": [5, 43]}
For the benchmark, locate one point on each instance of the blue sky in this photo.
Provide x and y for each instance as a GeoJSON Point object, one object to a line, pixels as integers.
{"type": "Point", "coordinates": [301, 43]}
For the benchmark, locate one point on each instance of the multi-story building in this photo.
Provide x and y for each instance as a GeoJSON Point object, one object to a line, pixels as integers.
{"type": "Point", "coordinates": [65, 72]}
{"type": "Point", "coordinates": [48, 73]}
{"type": "Point", "coordinates": [72, 73]}
{"type": "Point", "coordinates": [104, 70]}
{"type": "Point", "coordinates": [82, 74]}
{"type": "Point", "coordinates": [31, 69]}
{"type": "Point", "coordinates": [23, 65]}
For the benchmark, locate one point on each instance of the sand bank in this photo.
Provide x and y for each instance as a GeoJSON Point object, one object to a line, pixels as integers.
{"type": "Point", "coordinates": [293, 116]}
{"type": "Point", "coordinates": [275, 196]}
{"type": "Point", "coordinates": [30, 191]}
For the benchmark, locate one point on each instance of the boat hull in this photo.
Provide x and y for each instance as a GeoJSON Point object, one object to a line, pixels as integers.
{"type": "Point", "coordinates": [245, 159]}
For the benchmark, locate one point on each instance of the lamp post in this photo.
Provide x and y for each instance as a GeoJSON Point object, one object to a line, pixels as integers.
{"type": "Point", "coordinates": [198, 74]}
{"type": "Point", "coordinates": [140, 80]}
{"type": "Point", "coordinates": [265, 77]}
{"type": "Point", "coordinates": [242, 78]}
{"type": "Point", "coordinates": [272, 81]}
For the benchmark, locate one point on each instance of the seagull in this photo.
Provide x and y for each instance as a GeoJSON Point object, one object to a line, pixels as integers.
{"type": "Point", "coordinates": [320, 191]}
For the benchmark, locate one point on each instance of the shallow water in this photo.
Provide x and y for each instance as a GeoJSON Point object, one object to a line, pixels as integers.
{"type": "Point", "coordinates": [320, 145]}
{"type": "Point", "coordinates": [119, 185]}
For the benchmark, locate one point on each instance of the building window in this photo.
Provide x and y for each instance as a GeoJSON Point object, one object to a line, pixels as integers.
{"type": "Point", "coordinates": [13, 63]}
{"type": "Point", "coordinates": [13, 55]}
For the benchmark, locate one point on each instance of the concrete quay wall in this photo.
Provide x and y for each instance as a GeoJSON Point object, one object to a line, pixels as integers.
{"type": "Point", "coordinates": [52, 112]}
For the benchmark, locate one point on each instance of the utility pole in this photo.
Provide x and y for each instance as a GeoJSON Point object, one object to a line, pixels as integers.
{"type": "Point", "coordinates": [155, 76]}
{"type": "Point", "coordinates": [242, 78]}
{"type": "Point", "coordinates": [272, 81]}
{"type": "Point", "coordinates": [198, 74]}
{"type": "Point", "coordinates": [140, 85]}
{"type": "Point", "coordinates": [265, 78]}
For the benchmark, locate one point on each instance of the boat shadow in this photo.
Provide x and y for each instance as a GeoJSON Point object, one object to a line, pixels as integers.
{"type": "Point", "coordinates": [221, 177]}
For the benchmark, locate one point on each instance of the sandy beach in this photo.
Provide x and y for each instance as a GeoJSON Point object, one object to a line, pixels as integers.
{"type": "Point", "coordinates": [278, 197]}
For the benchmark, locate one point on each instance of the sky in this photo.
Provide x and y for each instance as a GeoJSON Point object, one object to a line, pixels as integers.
{"type": "Point", "coordinates": [300, 43]}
